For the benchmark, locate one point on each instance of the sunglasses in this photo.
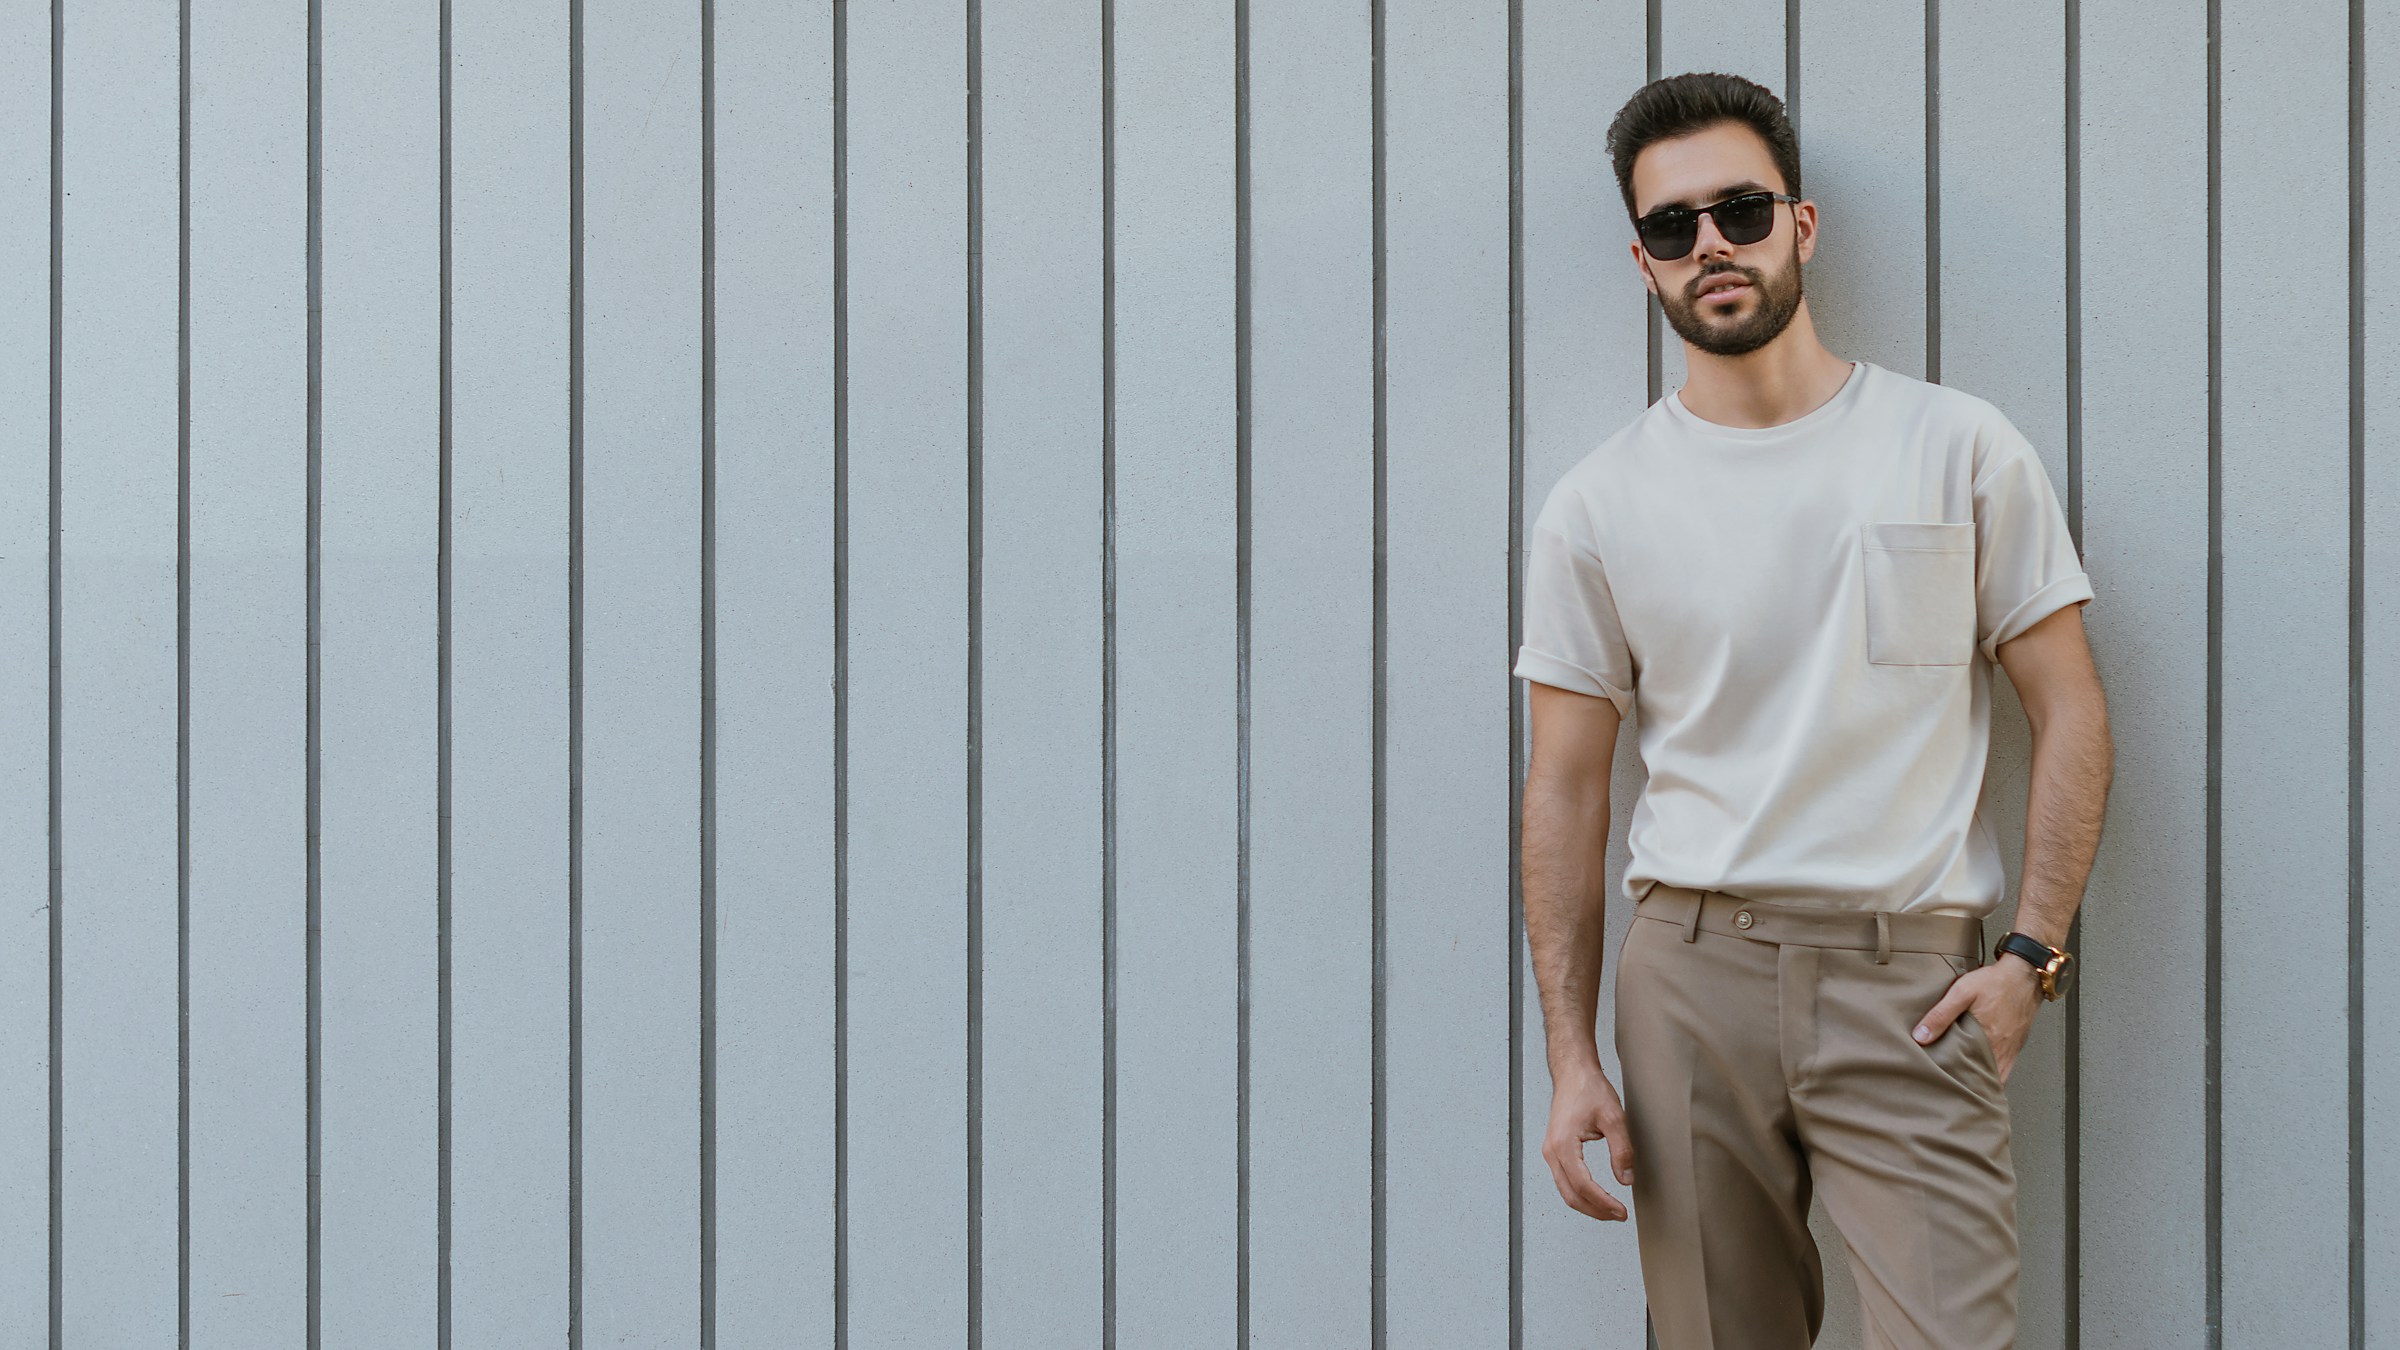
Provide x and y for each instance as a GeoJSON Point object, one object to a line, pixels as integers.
{"type": "Point", "coordinates": [1669, 232]}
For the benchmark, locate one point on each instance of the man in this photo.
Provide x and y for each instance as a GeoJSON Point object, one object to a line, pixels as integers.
{"type": "Point", "coordinates": [1801, 568]}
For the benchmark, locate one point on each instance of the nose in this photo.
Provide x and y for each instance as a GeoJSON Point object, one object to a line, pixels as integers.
{"type": "Point", "coordinates": [1709, 243]}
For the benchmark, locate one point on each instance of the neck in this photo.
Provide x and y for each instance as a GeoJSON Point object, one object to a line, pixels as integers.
{"type": "Point", "coordinates": [1784, 380]}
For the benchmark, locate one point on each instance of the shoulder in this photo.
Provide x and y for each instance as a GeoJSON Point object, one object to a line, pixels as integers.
{"type": "Point", "coordinates": [1598, 479]}
{"type": "Point", "coordinates": [1952, 421]}
{"type": "Point", "coordinates": [1940, 404]}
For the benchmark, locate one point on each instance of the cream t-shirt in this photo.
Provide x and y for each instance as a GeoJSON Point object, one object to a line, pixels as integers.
{"type": "Point", "coordinates": [1806, 616]}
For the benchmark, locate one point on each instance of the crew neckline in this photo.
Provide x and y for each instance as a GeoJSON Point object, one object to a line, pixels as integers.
{"type": "Point", "coordinates": [1830, 409]}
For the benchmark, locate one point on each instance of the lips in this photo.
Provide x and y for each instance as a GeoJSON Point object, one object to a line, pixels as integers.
{"type": "Point", "coordinates": [1724, 281]}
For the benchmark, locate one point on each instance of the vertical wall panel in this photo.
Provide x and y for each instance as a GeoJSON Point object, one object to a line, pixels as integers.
{"type": "Point", "coordinates": [1738, 37]}
{"type": "Point", "coordinates": [1862, 106]}
{"type": "Point", "coordinates": [641, 669]}
{"type": "Point", "coordinates": [907, 676]}
{"type": "Point", "coordinates": [1041, 668]}
{"type": "Point", "coordinates": [2286, 684]}
{"type": "Point", "coordinates": [118, 791]}
{"type": "Point", "coordinates": [2381, 695]}
{"type": "Point", "coordinates": [2144, 1164]}
{"type": "Point", "coordinates": [1312, 675]}
{"type": "Point", "coordinates": [1176, 664]}
{"type": "Point", "coordinates": [25, 672]}
{"type": "Point", "coordinates": [248, 577]}
{"type": "Point", "coordinates": [380, 1087]}
{"type": "Point", "coordinates": [2002, 117]}
{"type": "Point", "coordinates": [1585, 358]}
{"type": "Point", "coordinates": [774, 623]}
{"type": "Point", "coordinates": [1446, 683]}
{"type": "Point", "coordinates": [509, 670]}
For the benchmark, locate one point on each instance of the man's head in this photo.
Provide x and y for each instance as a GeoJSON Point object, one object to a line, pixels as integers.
{"type": "Point", "coordinates": [1688, 142]}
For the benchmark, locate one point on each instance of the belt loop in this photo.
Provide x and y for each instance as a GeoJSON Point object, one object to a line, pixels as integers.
{"type": "Point", "coordinates": [1883, 937]}
{"type": "Point", "coordinates": [1691, 921]}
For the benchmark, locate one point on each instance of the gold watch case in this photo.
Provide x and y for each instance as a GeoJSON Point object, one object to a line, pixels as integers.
{"type": "Point", "coordinates": [2058, 976]}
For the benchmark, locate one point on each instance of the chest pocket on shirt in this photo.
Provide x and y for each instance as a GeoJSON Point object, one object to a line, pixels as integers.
{"type": "Point", "coordinates": [1920, 581]}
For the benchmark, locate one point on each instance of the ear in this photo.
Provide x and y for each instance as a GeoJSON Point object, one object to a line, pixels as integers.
{"type": "Point", "coordinates": [1641, 262]}
{"type": "Point", "coordinates": [1804, 228]}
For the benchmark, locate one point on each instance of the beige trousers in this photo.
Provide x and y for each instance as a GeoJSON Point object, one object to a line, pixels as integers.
{"type": "Point", "coordinates": [1765, 1055]}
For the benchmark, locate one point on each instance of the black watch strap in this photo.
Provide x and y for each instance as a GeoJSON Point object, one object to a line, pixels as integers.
{"type": "Point", "coordinates": [2035, 952]}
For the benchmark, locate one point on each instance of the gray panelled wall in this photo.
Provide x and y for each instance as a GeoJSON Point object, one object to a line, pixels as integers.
{"type": "Point", "coordinates": [772, 674]}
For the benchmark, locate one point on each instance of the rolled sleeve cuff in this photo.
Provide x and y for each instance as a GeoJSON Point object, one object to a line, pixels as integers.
{"type": "Point", "coordinates": [1544, 668]}
{"type": "Point", "coordinates": [2067, 590]}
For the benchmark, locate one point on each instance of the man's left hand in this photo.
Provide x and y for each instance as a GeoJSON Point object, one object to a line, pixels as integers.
{"type": "Point", "coordinates": [2003, 995]}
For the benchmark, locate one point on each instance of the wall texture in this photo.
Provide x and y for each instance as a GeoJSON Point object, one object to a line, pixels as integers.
{"type": "Point", "coordinates": [797, 674]}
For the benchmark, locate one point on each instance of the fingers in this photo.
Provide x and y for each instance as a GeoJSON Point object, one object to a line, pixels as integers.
{"type": "Point", "coordinates": [1620, 1154]}
{"type": "Point", "coordinates": [1584, 1109]}
{"type": "Point", "coordinates": [1576, 1187]}
{"type": "Point", "coordinates": [1943, 1013]}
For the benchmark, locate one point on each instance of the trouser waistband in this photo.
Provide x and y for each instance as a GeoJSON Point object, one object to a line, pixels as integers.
{"type": "Point", "coordinates": [1881, 931]}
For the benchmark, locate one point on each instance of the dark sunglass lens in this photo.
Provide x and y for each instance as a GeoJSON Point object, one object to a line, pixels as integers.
{"type": "Point", "coordinates": [1746, 220]}
{"type": "Point", "coordinates": [1668, 235]}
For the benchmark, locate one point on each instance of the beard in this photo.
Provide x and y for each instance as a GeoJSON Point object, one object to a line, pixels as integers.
{"type": "Point", "coordinates": [1778, 296]}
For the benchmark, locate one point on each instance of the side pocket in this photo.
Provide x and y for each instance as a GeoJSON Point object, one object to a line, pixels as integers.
{"type": "Point", "coordinates": [1980, 1042]}
{"type": "Point", "coordinates": [1920, 591]}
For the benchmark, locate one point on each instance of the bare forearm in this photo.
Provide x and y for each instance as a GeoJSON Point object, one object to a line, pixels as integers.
{"type": "Point", "coordinates": [2073, 763]}
{"type": "Point", "coordinates": [1565, 878]}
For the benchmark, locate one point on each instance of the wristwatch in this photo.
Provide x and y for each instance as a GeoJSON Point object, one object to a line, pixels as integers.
{"type": "Point", "coordinates": [2055, 965]}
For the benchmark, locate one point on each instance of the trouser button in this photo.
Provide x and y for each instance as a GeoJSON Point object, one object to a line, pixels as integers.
{"type": "Point", "coordinates": [1742, 919]}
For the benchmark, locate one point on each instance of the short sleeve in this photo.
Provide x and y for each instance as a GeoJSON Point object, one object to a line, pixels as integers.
{"type": "Point", "coordinates": [1572, 635]}
{"type": "Point", "coordinates": [2026, 566]}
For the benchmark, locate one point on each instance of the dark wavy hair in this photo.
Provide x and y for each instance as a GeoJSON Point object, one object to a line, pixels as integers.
{"type": "Point", "coordinates": [1678, 105]}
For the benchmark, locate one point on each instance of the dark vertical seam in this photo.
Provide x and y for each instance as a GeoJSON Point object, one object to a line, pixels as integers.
{"type": "Point", "coordinates": [444, 1066]}
{"type": "Point", "coordinates": [1242, 487]}
{"type": "Point", "coordinates": [841, 677]}
{"type": "Point", "coordinates": [1378, 1166]}
{"type": "Point", "coordinates": [2358, 675]}
{"type": "Point", "coordinates": [1108, 676]}
{"type": "Point", "coordinates": [1653, 338]}
{"type": "Point", "coordinates": [708, 674]}
{"type": "Point", "coordinates": [56, 881]}
{"type": "Point", "coordinates": [1933, 191]}
{"type": "Point", "coordinates": [2213, 1054]}
{"type": "Point", "coordinates": [974, 113]}
{"type": "Point", "coordinates": [183, 673]}
{"type": "Point", "coordinates": [1512, 689]}
{"type": "Point", "coordinates": [574, 674]}
{"type": "Point", "coordinates": [316, 673]}
{"type": "Point", "coordinates": [2074, 376]}
{"type": "Point", "coordinates": [1791, 65]}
